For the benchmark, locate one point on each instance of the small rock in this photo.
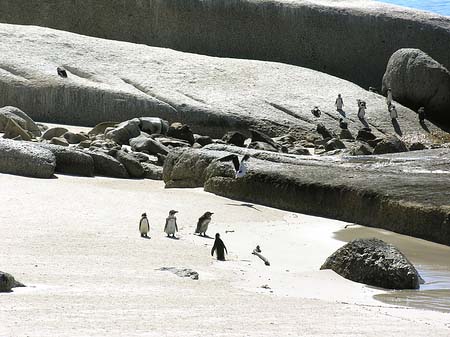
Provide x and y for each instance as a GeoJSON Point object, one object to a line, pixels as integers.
{"type": "Point", "coordinates": [74, 138]}
{"type": "Point", "coordinates": [346, 134]}
{"type": "Point", "coordinates": [181, 272]}
{"type": "Point", "coordinates": [181, 131]}
{"type": "Point", "coordinates": [54, 132]}
{"type": "Point", "coordinates": [7, 282]}
{"type": "Point", "coordinates": [234, 137]}
{"type": "Point", "coordinates": [365, 135]}
{"type": "Point", "coordinates": [390, 144]}
{"type": "Point", "coordinates": [202, 140]}
{"type": "Point", "coordinates": [417, 146]}
{"type": "Point", "coordinates": [334, 144]}
{"type": "Point", "coordinates": [101, 128]}
{"type": "Point", "coordinates": [323, 131]}
{"type": "Point", "coordinates": [59, 141]}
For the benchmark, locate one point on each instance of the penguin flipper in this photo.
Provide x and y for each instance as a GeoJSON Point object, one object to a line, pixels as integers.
{"type": "Point", "coordinates": [231, 157]}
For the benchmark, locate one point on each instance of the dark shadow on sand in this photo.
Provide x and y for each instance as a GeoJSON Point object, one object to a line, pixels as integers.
{"type": "Point", "coordinates": [246, 205]}
{"type": "Point", "coordinates": [364, 122]}
{"type": "Point", "coordinates": [341, 112]}
{"type": "Point", "coordinates": [396, 126]}
{"type": "Point", "coordinates": [173, 237]}
{"type": "Point", "coordinates": [206, 236]}
{"type": "Point", "coordinates": [146, 237]}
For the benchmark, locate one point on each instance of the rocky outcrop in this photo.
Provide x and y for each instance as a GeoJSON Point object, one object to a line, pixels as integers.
{"type": "Point", "coordinates": [133, 166]}
{"type": "Point", "coordinates": [334, 34]}
{"type": "Point", "coordinates": [7, 282]}
{"type": "Point", "coordinates": [20, 118]}
{"type": "Point", "coordinates": [21, 158]}
{"type": "Point", "coordinates": [418, 80]}
{"type": "Point", "coordinates": [397, 192]}
{"type": "Point", "coordinates": [221, 95]}
{"type": "Point", "coordinates": [374, 262]}
{"type": "Point", "coordinates": [70, 160]}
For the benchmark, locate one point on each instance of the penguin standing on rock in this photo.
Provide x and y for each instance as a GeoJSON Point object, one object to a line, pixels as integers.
{"type": "Point", "coordinates": [203, 222]}
{"type": "Point", "coordinates": [239, 166]}
{"type": "Point", "coordinates": [220, 248]}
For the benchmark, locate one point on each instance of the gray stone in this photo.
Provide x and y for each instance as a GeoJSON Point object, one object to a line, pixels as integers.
{"type": "Point", "coordinates": [181, 131]}
{"type": "Point", "coordinates": [154, 125]}
{"type": "Point", "coordinates": [20, 117]}
{"type": "Point", "coordinates": [365, 135]}
{"type": "Point", "coordinates": [132, 165]}
{"type": "Point", "coordinates": [361, 150]}
{"type": "Point", "coordinates": [152, 171]}
{"type": "Point", "coordinates": [108, 166]}
{"type": "Point", "coordinates": [7, 282]}
{"type": "Point", "coordinates": [374, 262]}
{"type": "Point", "coordinates": [299, 150]}
{"type": "Point", "coordinates": [181, 272]}
{"type": "Point", "coordinates": [74, 138]}
{"type": "Point", "coordinates": [234, 138]}
{"type": "Point", "coordinates": [346, 134]}
{"type": "Point", "coordinates": [54, 132]}
{"type": "Point", "coordinates": [418, 80]}
{"type": "Point", "coordinates": [262, 146]}
{"type": "Point", "coordinates": [173, 142]}
{"type": "Point", "coordinates": [203, 140]}
{"type": "Point", "coordinates": [25, 159]}
{"type": "Point", "coordinates": [334, 144]}
{"type": "Point", "coordinates": [390, 144]}
{"type": "Point", "coordinates": [13, 130]}
{"type": "Point", "coordinates": [100, 128]}
{"type": "Point", "coordinates": [417, 146]}
{"type": "Point", "coordinates": [70, 160]}
{"type": "Point", "coordinates": [59, 141]}
{"type": "Point", "coordinates": [125, 131]}
{"type": "Point", "coordinates": [323, 131]}
{"type": "Point", "coordinates": [142, 143]}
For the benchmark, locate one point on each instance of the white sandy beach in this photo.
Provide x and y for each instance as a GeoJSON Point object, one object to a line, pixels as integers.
{"type": "Point", "coordinates": [75, 243]}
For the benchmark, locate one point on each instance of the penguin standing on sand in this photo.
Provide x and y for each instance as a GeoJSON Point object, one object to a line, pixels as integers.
{"type": "Point", "coordinates": [144, 226]}
{"type": "Point", "coordinates": [202, 224]}
{"type": "Point", "coordinates": [239, 166]}
{"type": "Point", "coordinates": [171, 224]}
{"type": "Point", "coordinates": [220, 248]}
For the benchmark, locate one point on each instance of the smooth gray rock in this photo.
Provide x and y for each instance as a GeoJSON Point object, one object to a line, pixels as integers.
{"type": "Point", "coordinates": [25, 159]}
{"type": "Point", "coordinates": [70, 160]}
{"type": "Point", "coordinates": [234, 138]}
{"type": "Point", "coordinates": [59, 141]}
{"type": "Point", "coordinates": [54, 132]}
{"type": "Point", "coordinates": [125, 131]}
{"type": "Point", "coordinates": [346, 134]}
{"type": "Point", "coordinates": [142, 143]}
{"type": "Point", "coordinates": [390, 144]}
{"type": "Point", "coordinates": [417, 146]}
{"type": "Point", "coordinates": [262, 146]}
{"type": "Point", "coordinates": [152, 171]}
{"type": "Point", "coordinates": [374, 262]}
{"type": "Point", "coordinates": [20, 117]}
{"type": "Point", "coordinates": [334, 144]}
{"type": "Point", "coordinates": [181, 131]}
{"type": "Point", "coordinates": [132, 165]}
{"type": "Point", "coordinates": [7, 282]}
{"type": "Point", "coordinates": [152, 125]}
{"type": "Point", "coordinates": [74, 138]}
{"type": "Point", "coordinates": [299, 150]}
{"type": "Point", "coordinates": [101, 127]}
{"type": "Point", "coordinates": [361, 150]}
{"type": "Point", "coordinates": [13, 130]}
{"type": "Point", "coordinates": [106, 165]}
{"type": "Point", "coordinates": [416, 80]}
{"type": "Point", "coordinates": [203, 140]}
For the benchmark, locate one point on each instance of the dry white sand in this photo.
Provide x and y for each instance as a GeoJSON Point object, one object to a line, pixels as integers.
{"type": "Point", "coordinates": [75, 243]}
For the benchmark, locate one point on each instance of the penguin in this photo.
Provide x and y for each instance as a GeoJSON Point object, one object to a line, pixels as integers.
{"type": "Point", "coordinates": [171, 224]}
{"type": "Point", "coordinates": [239, 167]}
{"type": "Point", "coordinates": [203, 222]}
{"type": "Point", "coordinates": [144, 226]}
{"type": "Point", "coordinates": [316, 111]}
{"type": "Point", "coordinates": [220, 248]}
{"type": "Point", "coordinates": [61, 72]}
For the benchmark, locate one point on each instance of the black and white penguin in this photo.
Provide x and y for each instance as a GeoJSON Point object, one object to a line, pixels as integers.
{"type": "Point", "coordinates": [203, 222]}
{"type": "Point", "coordinates": [171, 224]}
{"type": "Point", "coordinates": [144, 226]}
{"type": "Point", "coordinates": [61, 72]}
{"type": "Point", "coordinates": [239, 166]}
{"type": "Point", "coordinates": [220, 248]}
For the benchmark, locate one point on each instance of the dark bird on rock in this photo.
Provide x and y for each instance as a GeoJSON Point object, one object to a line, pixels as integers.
{"type": "Point", "coordinates": [343, 124]}
{"type": "Point", "coordinates": [239, 166]}
{"type": "Point", "coordinates": [61, 72]}
{"type": "Point", "coordinates": [203, 222]}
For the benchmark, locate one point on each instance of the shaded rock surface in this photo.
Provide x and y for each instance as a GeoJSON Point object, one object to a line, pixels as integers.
{"type": "Point", "coordinates": [107, 165]}
{"type": "Point", "coordinates": [20, 117]}
{"type": "Point", "coordinates": [418, 80]}
{"type": "Point", "coordinates": [374, 262]}
{"type": "Point", "coordinates": [221, 95]}
{"type": "Point", "coordinates": [17, 157]}
{"type": "Point", "coordinates": [406, 192]}
{"type": "Point", "coordinates": [132, 165]}
{"type": "Point", "coordinates": [350, 39]}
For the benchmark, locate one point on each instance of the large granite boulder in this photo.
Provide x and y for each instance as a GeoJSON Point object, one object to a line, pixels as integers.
{"type": "Point", "coordinates": [416, 80]}
{"type": "Point", "coordinates": [25, 159]}
{"type": "Point", "coordinates": [125, 131]}
{"type": "Point", "coordinates": [390, 144]}
{"type": "Point", "coordinates": [108, 166]}
{"type": "Point", "coordinates": [133, 166]}
{"type": "Point", "coordinates": [143, 143]}
{"type": "Point", "coordinates": [7, 282]}
{"type": "Point", "coordinates": [20, 117]}
{"type": "Point", "coordinates": [70, 160]}
{"type": "Point", "coordinates": [374, 262]}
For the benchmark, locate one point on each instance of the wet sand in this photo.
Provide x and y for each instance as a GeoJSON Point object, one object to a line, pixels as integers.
{"type": "Point", "coordinates": [75, 243]}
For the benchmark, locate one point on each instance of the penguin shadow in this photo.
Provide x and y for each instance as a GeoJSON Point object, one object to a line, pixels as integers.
{"type": "Point", "coordinates": [205, 237]}
{"type": "Point", "coordinates": [342, 113]}
{"type": "Point", "coordinates": [146, 237]}
{"type": "Point", "coordinates": [364, 122]}
{"type": "Point", "coordinates": [424, 126]}
{"type": "Point", "coordinates": [173, 237]}
{"type": "Point", "coordinates": [246, 205]}
{"type": "Point", "coordinates": [396, 126]}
